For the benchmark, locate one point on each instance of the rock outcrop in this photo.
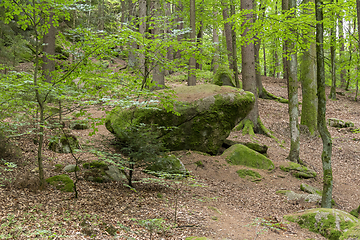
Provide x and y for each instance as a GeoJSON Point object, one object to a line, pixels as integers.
{"type": "Point", "coordinates": [206, 115]}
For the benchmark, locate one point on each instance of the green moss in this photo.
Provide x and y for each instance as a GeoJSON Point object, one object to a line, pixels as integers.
{"type": "Point", "coordinates": [224, 76]}
{"type": "Point", "coordinates": [283, 192]}
{"type": "Point", "coordinates": [95, 164]}
{"type": "Point", "coordinates": [199, 164]}
{"type": "Point", "coordinates": [352, 233]}
{"type": "Point", "coordinates": [355, 212]}
{"type": "Point", "coordinates": [243, 173]}
{"type": "Point", "coordinates": [62, 182]}
{"type": "Point", "coordinates": [58, 167]}
{"type": "Point", "coordinates": [330, 223]}
{"type": "Point", "coordinates": [197, 238]}
{"type": "Point", "coordinates": [298, 170]}
{"type": "Point", "coordinates": [239, 154]}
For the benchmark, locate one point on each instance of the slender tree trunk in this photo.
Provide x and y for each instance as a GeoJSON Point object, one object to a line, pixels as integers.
{"type": "Point", "coordinates": [199, 40]}
{"type": "Point", "coordinates": [227, 31]}
{"type": "Point", "coordinates": [216, 58]}
{"type": "Point", "coordinates": [257, 62]}
{"type": "Point", "coordinates": [248, 67]}
{"type": "Point", "coordinates": [101, 6]}
{"type": "Point", "coordinates": [234, 49]}
{"type": "Point", "coordinates": [342, 50]}
{"type": "Point", "coordinates": [350, 57]}
{"type": "Point", "coordinates": [293, 85]}
{"type": "Point", "coordinates": [264, 53]}
{"type": "Point", "coordinates": [170, 51]}
{"type": "Point", "coordinates": [142, 31]}
{"type": "Point", "coordinates": [358, 26]}
{"type": "Point", "coordinates": [48, 65]}
{"type": "Point", "coordinates": [158, 73]}
{"type": "Point", "coordinates": [285, 7]}
{"type": "Point", "coordinates": [309, 88]}
{"type": "Point", "coordinates": [332, 56]}
{"type": "Point", "coordinates": [324, 133]}
{"type": "Point", "coordinates": [180, 26]}
{"type": "Point", "coordinates": [192, 62]}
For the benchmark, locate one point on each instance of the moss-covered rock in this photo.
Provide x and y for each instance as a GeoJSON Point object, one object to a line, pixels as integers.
{"type": "Point", "coordinates": [298, 170]}
{"type": "Point", "coordinates": [352, 234]}
{"type": "Point", "coordinates": [203, 123]}
{"type": "Point", "coordinates": [79, 125]}
{"type": "Point", "coordinates": [167, 165]}
{"type": "Point", "coordinates": [224, 77]}
{"type": "Point", "coordinates": [293, 196]}
{"type": "Point", "coordinates": [331, 223]}
{"type": "Point", "coordinates": [71, 168]}
{"type": "Point", "coordinates": [241, 155]}
{"type": "Point", "coordinates": [254, 146]}
{"type": "Point", "coordinates": [63, 143]}
{"type": "Point", "coordinates": [62, 182]}
{"type": "Point", "coordinates": [355, 212]}
{"type": "Point", "coordinates": [338, 123]}
{"type": "Point", "coordinates": [310, 189]}
{"type": "Point", "coordinates": [100, 172]}
{"type": "Point", "coordinates": [253, 175]}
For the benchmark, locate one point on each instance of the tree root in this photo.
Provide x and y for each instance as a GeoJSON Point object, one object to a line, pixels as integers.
{"type": "Point", "coordinates": [267, 95]}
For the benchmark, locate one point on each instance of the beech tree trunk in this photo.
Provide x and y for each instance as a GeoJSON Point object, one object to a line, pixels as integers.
{"type": "Point", "coordinates": [48, 65]}
{"type": "Point", "coordinates": [158, 73]}
{"type": "Point", "coordinates": [248, 67]}
{"type": "Point", "coordinates": [293, 97]}
{"type": "Point", "coordinates": [324, 133]}
{"type": "Point", "coordinates": [192, 61]}
{"type": "Point", "coordinates": [332, 56]}
{"type": "Point", "coordinates": [285, 7]}
{"type": "Point", "coordinates": [234, 49]}
{"type": "Point", "coordinates": [216, 58]}
{"type": "Point", "coordinates": [342, 50]}
{"type": "Point", "coordinates": [309, 85]}
{"type": "Point", "coordinates": [227, 31]}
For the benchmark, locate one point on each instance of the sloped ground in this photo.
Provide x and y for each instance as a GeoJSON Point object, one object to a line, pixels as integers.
{"type": "Point", "coordinates": [220, 205]}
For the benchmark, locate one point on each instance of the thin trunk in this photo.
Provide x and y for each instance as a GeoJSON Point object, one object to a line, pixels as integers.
{"type": "Point", "coordinates": [285, 7]}
{"type": "Point", "coordinates": [170, 51]}
{"type": "Point", "coordinates": [158, 73]}
{"type": "Point", "coordinates": [199, 40]}
{"type": "Point", "coordinates": [101, 6]}
{"type": "Point", "coordinates": [227, 31]}
{"type": "Point", "coordinates": [293, 97]}
{"type": "Point", "coordinates": [248, 67]}
{"type": "Point", "coordinates": [192, 61]}
{"type": "Point", "coordinates": [342, 50]}
{"type": "Point", "coordinates": [332, 56]}
{"type": "Point", "coordinates": [309, 88]}
{"type": "Point", "coordinates": [358, 26]}
{"type": "Point", "coordinates": [142, 30]}
{"type": "Point", "coordinates": [234, 49]}
{"type": "Point", "coordinates": [257, 62]}
{"type": "Point", "coordinates": [180, 26]}
{"type": "Point", "coordinates": [265, 73]}
{"type": "Point", "coordinates": [216, 58]}
{"type": "Point", "coordinates": [350, 57]}
{"type": "Point", "coordinates": [324, 133]}
{"type": "Point", "coordinates": [48, 65]}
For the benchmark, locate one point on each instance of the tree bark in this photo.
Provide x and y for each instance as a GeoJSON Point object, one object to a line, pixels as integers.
{"type": "Point", "coordinates": [142, 31]}
{"type": "Point", "coordinates": [333, 55]}
{"type": "Point", "coordinates": [158, 73]}
{"type": "Point", "coordinates": [264, 53]}
{"type": "Point", "coordinates": [285, 7]}
{"type": "Point", "coordinates": [248, 67]}
{"type": "Point", "coordinates": [234, 49]}
{"type": "Point", "coordinates": [192, 61]}
{"type": "Point", "coordinates": [293, 97]}
{"type": "Point", "coordinates": [324, 133]}
{"type": "Point", "coordinates": [48, 65]}
{"type": "Point", "coordinates": [342, 50]}
{"type": "Point", "coordinates": [227, 31]}
{"type": "Point", "coordinates": [309, 88]}
{"type": "Point", "coordinates": [216, 58]}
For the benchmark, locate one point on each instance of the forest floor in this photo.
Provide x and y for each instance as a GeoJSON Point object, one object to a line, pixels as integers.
{"type": "Point", "coordinates": [215, 202]}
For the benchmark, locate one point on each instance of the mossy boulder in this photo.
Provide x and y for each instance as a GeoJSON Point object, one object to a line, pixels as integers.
{"type": "Point", "coordinates": [166, 166]}
{"type": "Point", "coordinates": [64, 143]}
{"type": "Point", "coordinates": [293, 196]}
{"type": "Point", "coordinates": [298, 170]}
{"type": "Point", "coordinates": [355, 212]}
{"type": "Point", "coordinates": [71, 168]}
{"type": "Point", "coordinates": [330, 223]}
{"type": "Point", "coordinates": [310, 189]}
{"type": "Point", "coordinates": [207, 114]}
{"type": "Point", "coordinates": [101, 172]}
{"type": "Point", "coordinates": [224, 77]}
{"type": "Point", "coordinates": [79, 125]}
{"type": "Point", "coordinates": [260, 148]}
{"type": "Point", "coordinates": [338, 123]}
{"type": "Point", "coordinates": [248, 173]}
{"type": "Point", "coordinates": [239, 154]}
{"type": "Point", "coordinates": [62, 182]}
{"type": "Point", "coordinates": [352, 234]}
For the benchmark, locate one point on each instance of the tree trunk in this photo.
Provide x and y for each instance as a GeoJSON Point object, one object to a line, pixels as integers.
{"type": "Point", "coordinates": [227, 31]}
{"type": "Point", "coordinates": [358, 26]}
{"type": "Point", "coordinates": [293, 97]}
{"type": "Point", "coordinates": [342, 50]}
{"type": "Point", "coordinates": [332, 56]}
{"type": "Point", "coordinates": [248, 67]}
{"type": "Point", "coordinates": [324, 133]}
{"type": "Point", "coordinates": [48, 65]}
{"type": "Point", "coordinates": [216, 58]}
{"type": "Point", "coordinates": [192, 62]}
{"type": "Point", "coordinates": [234, 49]}
{"type": "Point", "coordinates": [180, 26]}
{"type": "Point", "coordinates": [170, 51]}
{"type": "Point", "coordinates": [285, 7]}
{"type": "Point", "coordinates": [158, 73]}
{"type": "Point", "coordinates": [309, 88]}
{"type": "Point", "coordinates": [101, 6]}
{"type": "Point", "coordinates": [142, 31]}
{"type": "Point", "coordinates": [264, 53]}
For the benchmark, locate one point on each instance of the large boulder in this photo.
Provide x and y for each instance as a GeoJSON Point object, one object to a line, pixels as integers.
{"type": "Point", "coordinates": [298, 170]}
{"type": "Point", "coordinates": [239, 154]}
{"type": "Point", "coordinates": [207, 114]}
{"type": "Point", "coordinates": [101, 172]}
{"type": "Point", "coordinates": [331, 223]}
{"type": "Point", "coordinates": [169, 166]}
{"type": "Point", "coordinates": [352, 234]}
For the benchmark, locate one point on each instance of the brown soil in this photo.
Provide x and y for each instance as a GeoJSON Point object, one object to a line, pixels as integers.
{"type": "Point", "coordinates": [221, 205]}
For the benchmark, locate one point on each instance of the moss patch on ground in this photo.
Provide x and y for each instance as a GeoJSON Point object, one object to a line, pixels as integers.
{"type": "Point", "coordinates": [253, 175]}
{"type": "Point", "coordinates": [298, 170]}
{"type": "Point", "coordinates": [352, 233]}
{"type": "Point", "coordinates": [62, 182]}
{"type": "Point", "coordinates": [330, 223]}
{"type": "Point", "coordinates": [239, 154]}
